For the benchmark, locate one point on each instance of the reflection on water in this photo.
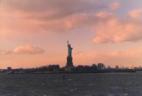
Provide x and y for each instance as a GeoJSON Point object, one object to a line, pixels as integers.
{"type": "Point", "coordinates": [116, 84]}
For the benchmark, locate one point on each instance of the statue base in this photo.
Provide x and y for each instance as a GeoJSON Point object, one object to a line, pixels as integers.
{"type": "Point", "coordinates": [69, 65]}
{"type": "Point", "coordinates": [69, 62]}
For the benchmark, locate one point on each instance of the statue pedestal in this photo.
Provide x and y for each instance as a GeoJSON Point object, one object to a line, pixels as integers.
{"type": "Point", "coordinates": [69, 61]}
{"type": "Point", "coordinates": [69, 65]}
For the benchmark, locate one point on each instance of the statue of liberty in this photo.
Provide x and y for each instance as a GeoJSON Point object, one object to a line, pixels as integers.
{"type": "Point", "coordinates": [69, 56]}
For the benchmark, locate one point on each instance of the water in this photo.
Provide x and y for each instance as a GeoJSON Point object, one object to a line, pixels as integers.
{"type": "Point", "coordinates": [114, 84]}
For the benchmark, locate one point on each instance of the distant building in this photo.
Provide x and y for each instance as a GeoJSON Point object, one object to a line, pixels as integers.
{"type": "Point", "coordinates": [101, 66]}
{"type": "Point", "coordinates": [9, 70]}
{"type": "Point", "coordinates": [54, 68]}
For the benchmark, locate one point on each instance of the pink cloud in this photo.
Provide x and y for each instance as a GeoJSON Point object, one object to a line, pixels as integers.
{"type": "Point", "coordinates": [114, 5]}
{"type": "Point", "coordinates": [26, 17]}
{"type": "Point", "coordinates": [113, 29]}
{"type": "Point", "coordinates": [28, 49]}
{"type": "Point", "coordinates": [23, 49]}
{"type": "Point", "coordinates": [103, 14]}
{"type": "Point", "coordinates": [30, 17]}
{"type": "Point", "coordinates": [136, 13]}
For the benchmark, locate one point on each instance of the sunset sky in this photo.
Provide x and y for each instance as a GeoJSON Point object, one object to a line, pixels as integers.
{"type": "Point", "coordinates": [34, 32]}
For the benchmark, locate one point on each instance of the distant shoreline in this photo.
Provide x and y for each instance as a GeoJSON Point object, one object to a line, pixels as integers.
{"type": "Point", "coordinates": [72, 72]}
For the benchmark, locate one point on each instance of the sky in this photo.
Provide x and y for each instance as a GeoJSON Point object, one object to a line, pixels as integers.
{"type": "Point", "coordinates": [34, 33]}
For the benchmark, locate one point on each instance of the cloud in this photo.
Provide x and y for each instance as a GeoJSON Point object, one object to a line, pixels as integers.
{"type": "Point", "coordinates": [28, 49]}
{"type": "Point", "coordinates": [114, 5]}
{"type": "Point", "coordinates": [46, 16]}
{"type": "Point", "coordinates": [24, 49]}
{"type": "Point", "coordinates": [43, 15]}
{"type": "Point", "coordinates": [112, 29]}
{"type": "Point", "coordinates": [135, 13]}
{"type": "Point", "coordinates": [54, 9]}
{"type": "Point", "coordinates": [103, 15]}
